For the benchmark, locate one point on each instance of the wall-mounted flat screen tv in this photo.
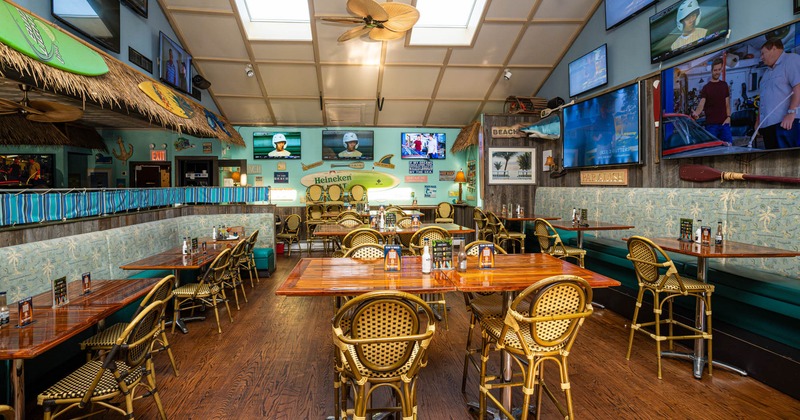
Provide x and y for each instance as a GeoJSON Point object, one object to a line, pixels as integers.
{"type": "Point", "coordinates": [276, 145]}
{"type": "Point", "coordinates": [603, 130]}
{"type": "Point", "coordinates": [347, 145]}
{"type": "Point", "coordinates": [175, 64]}
{"type": "Point", "coordinates": [619, 11]}
{"type": "Point", "coordinates": [685, 26]}
{"type": "Point", "coordinates": [756, 104]}
{"type": "Point", "coordinates": [588, 72]}
{"type": "Point", "coordinates": [423, 146]}
{"type": "Point", "coordinates": [96, 19]}
{"type": "Point", "coordinates": [27, 170]}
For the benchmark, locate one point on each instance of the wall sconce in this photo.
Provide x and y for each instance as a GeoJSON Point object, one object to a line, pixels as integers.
{"type": "Point", "coordinates": [461, 179]}
{"type": "Point", "coordinates": [555, 170]}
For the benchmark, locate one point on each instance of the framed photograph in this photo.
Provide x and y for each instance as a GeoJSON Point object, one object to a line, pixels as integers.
{"type": "Point", "coordinates": [138, 6]}
{"type": "Point", "coordinates": [512, 165]}
{"type": "Point", "coordinates": [796, 4]}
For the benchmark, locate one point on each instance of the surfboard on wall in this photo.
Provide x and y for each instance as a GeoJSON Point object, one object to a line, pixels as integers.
{"type": "Point", "coordinates": [168, 99]}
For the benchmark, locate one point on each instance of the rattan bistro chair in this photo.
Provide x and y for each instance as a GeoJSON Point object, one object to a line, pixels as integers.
{"type": "Point", "coordinates": [103, 341]}
{"type": "Point", "coordinates": [557, 308]}
{"type": "Point", "coordinates": [232, 279]}
{"type": "Point", "coordinates": [444, 212]}
{"type": "Point", "coordinates": [502, 236]}
{"type": "Point", "coordinates": [207, 293]}
{"type": "Point", "coordinates": [358, 237]}
{"type": "Point", "coordinates": [649, 261]}
{"type": "Point", "coordinates": [125, 368]}
{"type": "Point", "coordinates": [6, 412]}
{"type": "Point", "coordinates": [550, 242]}
{"type": "Point", "coordinates": [384, 345]}
{"type": "Point", "coordinates": [315, 194]}
{"type": "Point", "coordinates": [365, 252]}
{"type": "Point", "coordinates": [248, 260]}
{"type": "Point", "coordinates": [416, 244]}
{"type": "Point", "coordinates": [482, 229]}
{"type": "Point", "coordinates": [290, 234]}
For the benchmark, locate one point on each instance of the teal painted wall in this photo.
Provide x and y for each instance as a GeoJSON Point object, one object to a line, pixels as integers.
{"type": "Point", "coordinates": [629, 44]}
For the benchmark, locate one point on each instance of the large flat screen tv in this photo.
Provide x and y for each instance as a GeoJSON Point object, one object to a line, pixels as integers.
{"type": "Point", "coordinates": [276, 145]}
{"type": "Point", "coordinates": [619, 11]}
{"type": "Point", "coordinates": [588, 72]}
{"type": "Point", "coordinates": [685, 26]}
{"type": "Point", "coordinates": [423, 146]}
{"type": "Point", "coordinates": [347, 144]}
{"type": "Point", "coordinates": [756, 108]}
{"type": "Point", "coordinates": [603, 130]}
{"type": "Point", "coordinates": [27, 170]}
{"type": "Point", "coordinates": [97, 19]}
{"type": "Point", "coordinates": [175, 64]}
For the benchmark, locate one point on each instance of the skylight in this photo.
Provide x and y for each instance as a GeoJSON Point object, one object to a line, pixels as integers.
{"type": "Point", "coordinates": [447, 23]}
{"type": "Point", "coordinates": [275, 20]}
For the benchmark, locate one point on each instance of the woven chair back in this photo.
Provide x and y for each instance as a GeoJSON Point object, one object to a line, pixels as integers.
{"type": "Point", "coordinates": [291, 224]}
{"type": "Point", "coordinates": [314, 212]}
{"type": "Point", "coordinates": [134, 344]}
{"type": "Point", "coordinates": [395, 209]}
{"type": "Point", "coordinates": [404, 222]}
{"type": "Point", "coordinates": [350, 222]}
{"type": "Point", "coordinates": [479, 217]}
{"type": "Point", "coordinates": [365, 252]}
{"type": "Point", "coordinates": [362, 236]}
{"type": "Point", "coordinates": [545, 234]}
{"type": "Point", "coordinates": [160, 291]}
{"type": "Point", "coordinates": [430, 232]}
{"type": "Point", "coordinates": [335, 192]}
{"type": "Point", "coordinates": [557, 305]}
{"type": "Point", "coordinates": [334, 207]}
{"type": "Point", "coordinates": [358, 193]}
{"type": "Point", "coordinates": [444, 210]}
{"type": "Point", "coordinates": [472, 248]}
{"type": "Point", "coordinates": [217, 270]}
{"type": "Point", "coordinates": [649, 260]}
{"type": "Point", "coordinates": [251, 242]}
{"type": "Point", "coordinates": [348, 213]}
{"type": "Point", "coordinates": [315, 193]}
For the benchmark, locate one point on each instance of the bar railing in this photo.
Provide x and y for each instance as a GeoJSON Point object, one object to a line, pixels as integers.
{"type": "Point", "coordinates": [48, 205]}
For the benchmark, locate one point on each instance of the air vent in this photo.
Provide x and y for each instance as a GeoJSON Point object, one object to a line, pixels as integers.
{"type": "Point", "coordinates": [140, 60]}
{"type": "Point", "coordinates": [345, 114]}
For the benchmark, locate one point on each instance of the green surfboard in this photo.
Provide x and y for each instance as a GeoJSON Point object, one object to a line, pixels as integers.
{"type": "Point", "coordinates": [44, 42]}
{"type": "Point", "coordinates": [369, 179]}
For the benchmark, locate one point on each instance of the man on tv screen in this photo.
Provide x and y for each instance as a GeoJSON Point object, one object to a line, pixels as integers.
{"type": "Point", "coordinates": [432, 147]}
{"type": "Point", "coordinates": [171, 72]}
{"type": "Point", "coordinates": [715, 100]}
{"type": "Point", "coordinates": [603, 132]}
{"type": "Point", "coordinates": [279, 143]}
{"type": "Point", "coordinates": [350, 141]}
{"type": "Point", "coordinates": [687, 19]}
{"type": "Point", "coordinates": [780, 96]}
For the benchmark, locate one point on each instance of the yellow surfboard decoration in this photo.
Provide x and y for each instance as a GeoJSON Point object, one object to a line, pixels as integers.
{"type": "Point", "coordinates": [168, 99]}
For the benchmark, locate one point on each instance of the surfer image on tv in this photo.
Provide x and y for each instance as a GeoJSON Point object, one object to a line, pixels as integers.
{"type": "Point", "coordinates": [687, 19]}
{"type": "Point", "coordinates": [171, 72]}
{"type": "Point", "coordinates": [279, 143]}
{"type": "Point", "coordinates": [350, 141]}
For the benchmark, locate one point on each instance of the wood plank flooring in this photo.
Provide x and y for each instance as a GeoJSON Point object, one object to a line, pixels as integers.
{"type": "Point", "coordinates": [274, 362]}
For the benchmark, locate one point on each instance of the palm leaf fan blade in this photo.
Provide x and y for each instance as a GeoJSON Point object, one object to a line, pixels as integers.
{"type": "Point", "coordinates": [350, 19]}
{"type": "Point", "coordinates": [54, 112]}
{"type": "Point", "coordinates": [8, 107]}
{"type": "Point", "coordinates": [381, 34]}
{"type": "Point", "coordinates": [401, 16]}
{"type": "Point", "coordinates": [366, 8]}
{"type": "Point", "coordinates": [353, 33]}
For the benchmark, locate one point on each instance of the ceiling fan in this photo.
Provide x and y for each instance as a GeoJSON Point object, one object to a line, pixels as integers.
{"type": "Point", "coordinates": [39, 111]}
{"type": "Point", "coordinates": [383, 21]}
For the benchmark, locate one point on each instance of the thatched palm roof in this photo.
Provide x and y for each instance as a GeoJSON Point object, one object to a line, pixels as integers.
{"type": "Point", "coordinates": [17, 130]}
{"type": "Point", "coordinates": [117, 89]}
{"type": "Point", "coordinates": [467, 137]}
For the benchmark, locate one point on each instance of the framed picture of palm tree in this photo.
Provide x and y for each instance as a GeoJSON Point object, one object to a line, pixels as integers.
{"type": "Point", "coordinates": [512, 165]}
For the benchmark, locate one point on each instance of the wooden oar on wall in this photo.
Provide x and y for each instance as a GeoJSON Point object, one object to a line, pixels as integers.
{"type": "Point", "coordinates": [700, 173]}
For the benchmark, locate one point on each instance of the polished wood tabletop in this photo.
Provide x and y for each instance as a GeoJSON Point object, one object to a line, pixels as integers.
{"type": "Point", "coordinates": [728, 249]}
{"type": "Point", "coordinates": [514, 272]}
{"type": "Point", "coordinates": [174, 259]}
{"type": "Point", "coordinates": [453, 228]}
{"type": "Point", "coordinates": [342, 231]}
{"type": "Point", "coordinates": [54, 326]}
{"type": "Point", "coordinates": [589, 225]}
{"type": "Point", "coordinates": [527, 218]}
{"type": "Point", "coordinates": [346, 276]}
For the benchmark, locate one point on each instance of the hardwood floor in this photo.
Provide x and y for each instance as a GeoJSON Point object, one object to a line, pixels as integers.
{"type": "Point", "coordinates": [274, 362]}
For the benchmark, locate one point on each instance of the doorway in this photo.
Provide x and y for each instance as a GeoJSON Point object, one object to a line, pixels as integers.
{"type": "Point", "coordinates": [77, 168]}
{"type": "Point", "coordinates": [196, 171]}
{"type": "Point", "coordinates": [151, 174]}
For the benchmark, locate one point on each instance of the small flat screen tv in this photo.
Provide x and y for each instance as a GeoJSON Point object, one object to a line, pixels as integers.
{"type": "Point", "coordinates": [97, 19]}
{"type": "Point", "coordinates": [603, 130]}
{"type": "Point", "coordinates": [588, 72]}
{"type": "Point", "coordinates": [175, 64]}
{"type": "Point", "coordinates": [619, 11]}
{"type": "Point", "coordinates": [27, 170]}
{"type": "Point", "coordinates": [755, 107]}
{"type": "Point", "coordinates": [276, 145]}
{"type": "Point", "coordinates": [423, 146]}
{"type": "Point", "coordinates": [686, 25]}
{"type": "Point", "coordinates": [347, 145]}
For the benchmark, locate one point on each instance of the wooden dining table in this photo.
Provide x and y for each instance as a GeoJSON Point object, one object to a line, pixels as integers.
{"type": "Point", "coordinates": [53, 326]}
{"type": "Point", "coordinates": [728, 249]}
{"type": "Point", "coordinates": [590, 225]}
{"type": "Point", "coordinates": [523, 220]}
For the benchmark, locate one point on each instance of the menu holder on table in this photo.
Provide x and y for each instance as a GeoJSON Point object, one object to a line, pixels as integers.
{"type": "Point", "coordinates": [194, 246]}
{"type": "Point", "coordinates": [60, 295]}
{"type": "Point", "coordinates": [391, 219]}
{"type": "Point", "coordinates": [392, 260]}
{"type": "Point", "coordinates": [442, 254]}
{"type": "Point", "coordinates": [686, 230]}
{"type": "Point", "coordinates": [86, 282]}
{"type": "Point", "coordinates": [486, 256]}
{"type": "Point", "coordinates": [25, 311]}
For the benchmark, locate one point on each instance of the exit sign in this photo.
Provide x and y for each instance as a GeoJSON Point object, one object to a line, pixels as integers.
{"type": "Point", "coordinates": [158, 155]}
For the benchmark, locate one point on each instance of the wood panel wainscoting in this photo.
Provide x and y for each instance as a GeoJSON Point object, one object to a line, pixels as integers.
{"type": "Point", "coordinates": [274, 363]}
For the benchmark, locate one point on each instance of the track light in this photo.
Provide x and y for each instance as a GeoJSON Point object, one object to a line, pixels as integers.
{"type": "Point", "coordinates": [507, 74]}
{"type": "Point", "coordinates": [248, 70]}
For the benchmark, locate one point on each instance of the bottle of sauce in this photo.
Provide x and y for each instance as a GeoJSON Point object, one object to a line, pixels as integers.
{"type": "Point", "coordinates": [426, 257]}
{"type": "Point", "coordinates": [718, 237]}
{"type": "Point", "coordinates": [462, 259]}
{"type": "Point", "coordinates": [698, 233]}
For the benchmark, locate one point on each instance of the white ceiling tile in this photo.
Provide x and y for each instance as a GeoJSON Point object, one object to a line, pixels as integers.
{"type": "Point", "coordinates": [245, 110]}
{"type": "Point", "coordinates": [523, 83]}
{"type": "Point", "coordinates": [494, 107]}
{"type": "Point", "coordinates": [467, 83]}
{"type": "Point", "coordinates": [290, 79]}
{"type": "Point", "coordinates": [367, 109]}
{"type": "Point", "coordinates": [215, 36]}
{"type": "Point", "coordinates": [397, 53]}
{"type": "Point", "coordinates": [453, 113]}
{"type": "Point", "coordinates": [330, 8]}
{"type": "Point", "coordinates": [283, 51]}
{"type": "Point", "coordinates": [560, 9]}
{"type": "Point", "coordinates": [509, 9]}
{"type": "Point", "coordinates": [408, 81]}
{"type": "Point", "coordinates": [533, 51]}
{"type": "Point", "coordinates": [491, 46]}
{"type": "Point", "coordinates": [361, 50]}
{"type": "Point", "coordinates": [229, 78]}
{"type": "Point", "coordinates": [402, 113]}
{"type": "Point", "coordinates": [200, 4]}
{"type": "Point", "coordinates": [350, 81]}
{"type": "Point", "coordinates": [296, 111]}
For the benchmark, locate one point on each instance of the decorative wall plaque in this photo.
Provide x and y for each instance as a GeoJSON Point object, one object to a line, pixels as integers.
{"type": "Point", "coordinates": [605, 177]}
